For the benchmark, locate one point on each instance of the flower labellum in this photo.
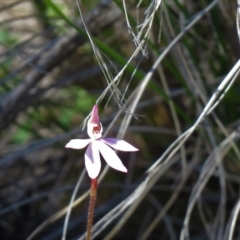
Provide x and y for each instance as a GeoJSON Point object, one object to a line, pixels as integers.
{"type": "Point", "coordinates": [98, 144]}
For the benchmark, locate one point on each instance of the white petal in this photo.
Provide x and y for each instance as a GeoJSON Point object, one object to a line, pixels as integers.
{"type": "Point", "coordinates": [78, 143]}
{"type": "Point", "coordinates": [92, 160]}
{"type": "Point", "coordinates": [119, 144]}
{"type": "Point", "coordinates": [110, 157]}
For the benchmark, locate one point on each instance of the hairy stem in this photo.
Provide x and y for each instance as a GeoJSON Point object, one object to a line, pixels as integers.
{"type": "Point", "coordinates": [93, 197]}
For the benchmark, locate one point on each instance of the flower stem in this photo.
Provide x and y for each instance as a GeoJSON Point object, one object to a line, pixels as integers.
{"type": "Point", "coordinates": [93, 197]}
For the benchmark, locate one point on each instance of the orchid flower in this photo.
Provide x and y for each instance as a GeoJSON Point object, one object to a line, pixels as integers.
{"type": "Point", "coordinates": [96, 143]}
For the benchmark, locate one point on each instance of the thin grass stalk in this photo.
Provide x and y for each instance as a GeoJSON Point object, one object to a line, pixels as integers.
{"type": "Point", "coordinates": [71, 205]}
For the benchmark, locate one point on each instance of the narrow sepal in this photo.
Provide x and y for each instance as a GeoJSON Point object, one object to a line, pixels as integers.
{"type": "Point", "coordinates": [110, 157]}
{"type": "Point", "coordinates": [119, 144]}
{"type": "Point", "coordinates": [92, 160]}
{"type": "Point", "coordinates": [78, 143]}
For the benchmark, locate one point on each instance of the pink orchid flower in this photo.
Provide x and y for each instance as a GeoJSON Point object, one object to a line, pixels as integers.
{"type": "Point", "coordinates": [98, 144]}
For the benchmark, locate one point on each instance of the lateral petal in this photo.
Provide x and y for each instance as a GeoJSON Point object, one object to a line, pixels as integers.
{"type": "Point", "coordinates": [92, 160]}
{"type": "Point", "coordinates": [119, 144]}
{"type": "Point", "coordinates": [78, 143]}
{"type": "Point", "coordinates": [111, 157]}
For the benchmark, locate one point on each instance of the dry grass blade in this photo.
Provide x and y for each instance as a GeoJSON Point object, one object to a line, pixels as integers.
{"type": "Point", "coordinates": [211, 163]}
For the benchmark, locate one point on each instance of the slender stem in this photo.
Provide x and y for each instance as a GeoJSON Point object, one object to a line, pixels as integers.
{"type": "Point", "coordinates": [93, 197]}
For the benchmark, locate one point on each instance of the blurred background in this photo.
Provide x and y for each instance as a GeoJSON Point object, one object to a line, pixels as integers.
{"type": "Point", "coordinates": [49, 81]}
